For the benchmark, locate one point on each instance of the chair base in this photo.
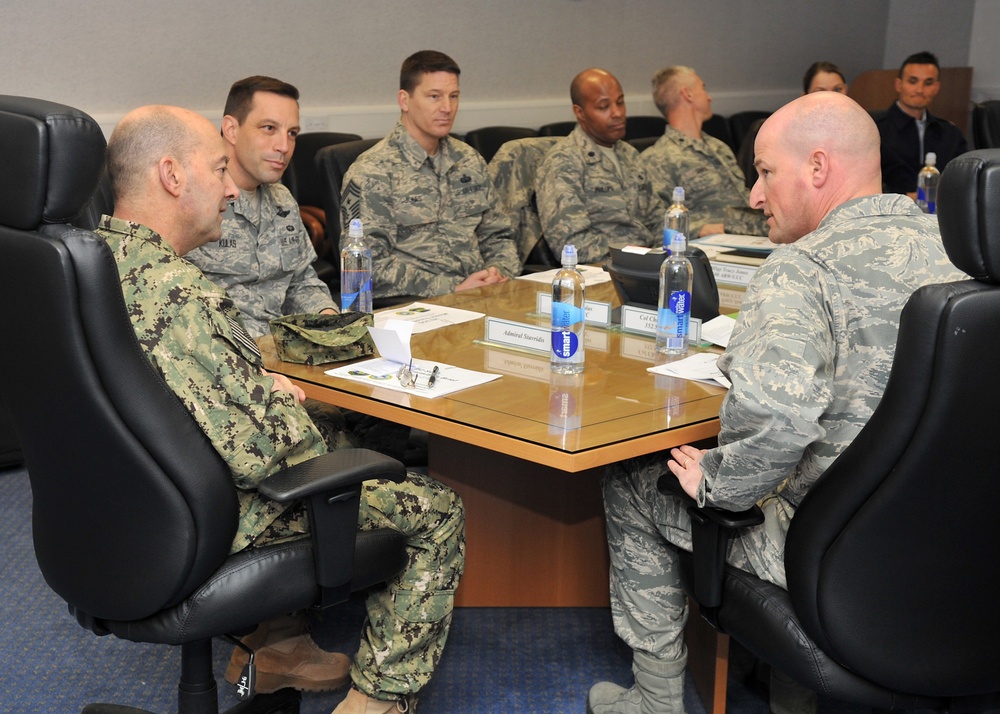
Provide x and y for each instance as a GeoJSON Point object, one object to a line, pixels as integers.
{"type": "Point", "coordinates": [708, 660]}
{"type": "Point", "coordinates": [197, 692]}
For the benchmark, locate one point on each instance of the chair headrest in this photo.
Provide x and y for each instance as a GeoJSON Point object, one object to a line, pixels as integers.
{"type": "Point", "coordinates": [969, 213]}
{"type": "Point", "coordinates": [52, 157]}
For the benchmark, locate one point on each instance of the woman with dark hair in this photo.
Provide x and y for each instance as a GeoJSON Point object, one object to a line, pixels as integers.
{"type": "Point", "coordinates": [824, 77]}
{"type": "Point", "coordinates": [821, 76]}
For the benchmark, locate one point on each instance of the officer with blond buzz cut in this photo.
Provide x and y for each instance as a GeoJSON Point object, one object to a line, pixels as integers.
{"type": "Point", "coordinates": [168, 170]}
{"type": "Point", "coordinates": [591, 189]}
{"type": "Point", "coordinates": [808, 362]}
{"type": "Point", "coordinates": [714, 186]}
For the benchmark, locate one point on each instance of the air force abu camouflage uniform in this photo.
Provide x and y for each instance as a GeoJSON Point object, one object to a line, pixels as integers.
{"type": "Point", "coordinates": [586, 200]}
{"type": "Point", "coordinates": [430, 221]}
{"type": "Point", "coordinates": [808, 361]}
{"type": "Point", "coordinates": [513, 170]}
{"type": "Point", "coordinates": [714, 187]}
{"type": "Point", "coordinates": [193, 336]}
{"type": "Point", "coordinates": [264, 259]}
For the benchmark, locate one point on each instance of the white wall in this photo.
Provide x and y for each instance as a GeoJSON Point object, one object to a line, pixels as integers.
{"type": "Point", "coordinates": [517, 56]}
{"type": "Point", "coordinates": [943, 27]}
{"type": "Point", "coordinates": [983, 54]}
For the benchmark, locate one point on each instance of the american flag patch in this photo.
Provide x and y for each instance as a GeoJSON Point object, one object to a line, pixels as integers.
{"type": "Point", "coordinates": [241, 336]}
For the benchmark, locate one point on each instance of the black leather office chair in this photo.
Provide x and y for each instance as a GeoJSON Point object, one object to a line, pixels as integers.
{"type": "Point", "coordinates": [301, 176]}
{"type": "Point", "coordinates": [640, 126]}
{"type": "Point", "coordinates": [304, 184]}
{"type": "Point", "coordinates": [718, 126]}
{"type": "Point", "coordinates": [746, 155]}
{"type": "Point", "coordinates": [102, 202]}
{"type": "Point", "coordinates": [641, 143]}
{"type": "Point", "coordinates": [891, 557]}
{"type": "Point", "coordinates": [332, 163]}
{"type": "Point", "coordinates": [10, 449]}
{"type": "Point", "coordinates": [559, 128]}
{"type": "Point", "coordinates": [986, 124]}
{"type": "Point", "coordinates": [133, 510]}
{"type": "Point", "coordinates": [740, 123]}
{"type": "Point", "coordinates": [488, 139]}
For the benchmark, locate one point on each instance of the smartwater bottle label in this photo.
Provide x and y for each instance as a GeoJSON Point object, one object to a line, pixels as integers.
{"type": "Point", "coordinates": [674, 319]}
{"type": "Point", "coordinates": [680, 305]}
{"type": "Point", "coordinates": [921, 194]}
{"type": "Point", "coordinates": [668, 235]}
{"type": "Point", "coordinates": [565, 314]}
{"type": "Point", "coordinates": [565, 343]}
{"type": "Point", "coordinates": [347, 300]}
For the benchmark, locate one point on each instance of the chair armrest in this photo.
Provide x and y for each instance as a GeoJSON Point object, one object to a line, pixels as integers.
{"type": "Point", "coordinates": [331, 487]}
{"type": "Point", "coordinates": [331, 472]}
{"type": "Point", "coordinates": [711, 530]}
{"type": "Point", "coordinates": [669, 485]}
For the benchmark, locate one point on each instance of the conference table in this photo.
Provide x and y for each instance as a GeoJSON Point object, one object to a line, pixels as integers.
{"type": "Point", "coordinates": [526, 451]}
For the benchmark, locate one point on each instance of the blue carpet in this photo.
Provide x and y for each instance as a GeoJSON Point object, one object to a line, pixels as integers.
{"type": "Point", "coordinates": [522, 661]}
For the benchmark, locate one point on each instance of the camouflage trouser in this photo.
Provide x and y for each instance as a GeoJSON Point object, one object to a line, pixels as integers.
{"type": "Point", "coordinates": [408, 620]}
{"type": "Point", "coordinates": [648, 605]}
{"type": "Point", "coordinates": [330, 423]}
{"type": "Point", "coordinates": [346, 429]}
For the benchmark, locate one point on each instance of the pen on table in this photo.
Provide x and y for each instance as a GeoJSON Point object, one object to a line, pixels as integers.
{"type": "Point", "coordinates": [433, 377]}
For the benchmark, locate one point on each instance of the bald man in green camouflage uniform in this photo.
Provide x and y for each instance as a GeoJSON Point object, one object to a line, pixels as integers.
{"type": "Point", "coordinates": [715, 189]}
{"type": "Point", "coordinates": [195, 337]}
{"type": "Point", "coordinates": [591, 189]}
{"type": "Point", "coordinates": [429, 209]}
{"type": "Point", "coordinates": [808, 361]}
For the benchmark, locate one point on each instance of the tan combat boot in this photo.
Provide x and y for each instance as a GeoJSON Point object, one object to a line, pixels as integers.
{"type": "Point", "coordinates": [359, 703]}
{"type": "Point", "coordinates": [286, 656]}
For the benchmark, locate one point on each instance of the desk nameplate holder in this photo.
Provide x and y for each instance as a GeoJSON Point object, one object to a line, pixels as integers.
{"type": "Point", "coordinates": [517, 335]}
{"type": "Point", "coordinates": [642, 321]}
{"type": "Point", "coordinates": [533, 338]}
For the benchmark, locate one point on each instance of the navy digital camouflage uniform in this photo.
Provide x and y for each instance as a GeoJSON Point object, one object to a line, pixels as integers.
{"type": "Point", "coordinates": [194, 337]}
{"type": "Point", "coordinates": [808, 362]}
{"type": "Point", "coordinates": [430, 221]}
{"type": "Point", "coordinates": [714, 186]}
{"type": "Point", "coordinates": [264, 261]}
{"type": "Point", "coordinates": [587, 201]}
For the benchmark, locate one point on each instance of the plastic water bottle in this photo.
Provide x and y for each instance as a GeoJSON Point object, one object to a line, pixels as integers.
{"type": "Point", "coordinates": [674, 316]}
{"type": "Point", "coordinates": [927, 184]}
{"type": "Point", "coordinates": [355, 272]}
{"type": "Point", "coordinates": [677, 219]}
{"type": "Point", "coordinates": [568, 315]}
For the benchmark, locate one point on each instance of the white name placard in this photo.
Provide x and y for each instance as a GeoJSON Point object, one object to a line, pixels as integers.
{"type": "Point", "coordinates": [518, 334]}
{"type": "Point", "coordinates": [643, 321]}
